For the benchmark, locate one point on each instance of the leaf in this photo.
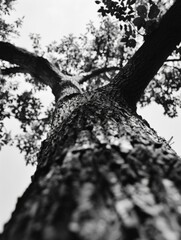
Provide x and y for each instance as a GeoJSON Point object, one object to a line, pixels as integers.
{"type": "Point", "coordinates": [131, 2]}
{"type": "Point", "coordinates": [154, 11]}
{"type": "Point", "coordinates": [102, 11]}
{"type": "Point", "coordinates": [142, 11]}
{"type": "Point", "coordinates": [131, 43]}
{"type": "Point", "coordinates": [125, 39]}
{"type": "Point", "coordinates": [139, 22]}
{"type": "Point", "coordinates": [150, 25]}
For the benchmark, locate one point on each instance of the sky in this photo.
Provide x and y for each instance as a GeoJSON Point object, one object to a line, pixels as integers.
{"type": "Point", "coordinates": [54, 19]}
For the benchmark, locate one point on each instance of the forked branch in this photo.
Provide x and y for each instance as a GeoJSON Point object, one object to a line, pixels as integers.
{"type": "Point", "coordinates": [38, 67]}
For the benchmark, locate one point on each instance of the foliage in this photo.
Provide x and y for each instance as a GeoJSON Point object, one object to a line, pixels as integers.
{"type": "Point", "coordinates": [111, 44]}
{"type": "Point", "coordinates": [135, 16]}
{"type": "Point", "coordinates": [164, 89]}
{"type": "Point", "coordinates": [7, 28]}
{"type": "Point", "coordinates": [96, 49]}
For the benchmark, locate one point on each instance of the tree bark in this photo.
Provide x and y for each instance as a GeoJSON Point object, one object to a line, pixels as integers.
{"type": "Point", "coordinates": [102, 174]}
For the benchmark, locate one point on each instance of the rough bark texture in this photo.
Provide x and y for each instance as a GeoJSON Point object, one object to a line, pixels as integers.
{"type": "Point", "coordinates": [103, 174]}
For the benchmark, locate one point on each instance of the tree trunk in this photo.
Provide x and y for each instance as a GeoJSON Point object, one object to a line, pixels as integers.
{"type": "Point", "coordinates": [102, 174]}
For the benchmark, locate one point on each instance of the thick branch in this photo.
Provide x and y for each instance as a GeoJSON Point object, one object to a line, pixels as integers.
{"type": "Point", "coordinates": [95, 73]}
{"type": "Point", "coordinates": [141, 68]}
{"type": "Point", "coordinates": [13, 70]}
{"type": "Point", "coordinates": [38, 67]}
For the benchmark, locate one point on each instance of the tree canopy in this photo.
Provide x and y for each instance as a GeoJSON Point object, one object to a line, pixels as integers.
{"type": "Point", "coordinates": [92, 60]}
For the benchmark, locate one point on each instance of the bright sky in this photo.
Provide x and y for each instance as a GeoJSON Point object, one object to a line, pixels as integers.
{"type": "Point", "coordinates": [54, 19]}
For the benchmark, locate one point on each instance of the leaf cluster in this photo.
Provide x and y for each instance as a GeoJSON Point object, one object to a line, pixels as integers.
{"type": "Point", "coordinates": [28, 109]}
{"type": "Point", "coordinates": [136, 17]}
{"type": "Point", "coordinates": [7, 27]}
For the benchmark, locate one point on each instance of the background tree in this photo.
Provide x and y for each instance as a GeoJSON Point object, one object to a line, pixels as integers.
{"type": "Point", "coordinates": [115, 104]}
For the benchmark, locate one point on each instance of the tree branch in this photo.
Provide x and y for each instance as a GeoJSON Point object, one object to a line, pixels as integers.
{"type": "Point", "coordinates": [38, 67]}
{"type": "Point", "coordinates": [96, 72]}
{"type": "Point", "coordinates": [173, 60]}
{"type": "Point", "coordinates": [13, 70]}
{"type": "Point", "coordinates": [131, 81]}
